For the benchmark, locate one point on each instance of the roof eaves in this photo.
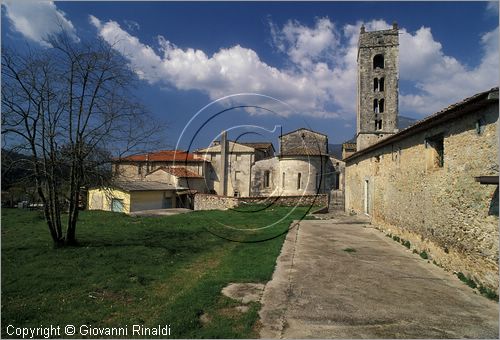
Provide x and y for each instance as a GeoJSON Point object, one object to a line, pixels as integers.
{"type": "Point", "coordinates": [458, 109]}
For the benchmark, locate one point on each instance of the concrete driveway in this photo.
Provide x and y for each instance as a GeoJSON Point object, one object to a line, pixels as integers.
{"type": "Point", "coordinates": [380, 290]}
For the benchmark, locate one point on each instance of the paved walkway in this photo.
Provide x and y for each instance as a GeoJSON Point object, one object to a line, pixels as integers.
{"type": "Point", "coordinates": [381, 290]}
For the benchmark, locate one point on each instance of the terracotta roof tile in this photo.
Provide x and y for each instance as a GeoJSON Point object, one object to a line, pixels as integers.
{"type": "Point", "coordinates": [179, 172]}
{"type": "Point", "coordinates": [164, 155]}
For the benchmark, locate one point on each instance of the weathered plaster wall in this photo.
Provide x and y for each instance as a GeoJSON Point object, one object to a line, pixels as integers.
{"type": "Point", "coordinates": [316, 171]}
{"type": "Point", "coordinates": [441, 210]}
{"type": "Point", "coordinates": [100, 199]}
{"type": "Point", "coordinates": [258, 173]}
{"type": "Point", "coordinates": [129, 171]}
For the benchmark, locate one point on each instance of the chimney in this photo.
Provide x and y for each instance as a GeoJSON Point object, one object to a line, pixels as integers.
{"type": "Point", "coordinates": [223, 164]}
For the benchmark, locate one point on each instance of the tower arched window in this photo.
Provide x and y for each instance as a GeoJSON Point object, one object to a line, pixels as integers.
{"type": "Point", "coordinates": [378, 61]}
{"type": "Point", "coordinates": [381, 84]}
{"type": "Point", "coordinates": [375, 106]}
{"type": "Point", "coordinates": [381, 103]}
{"type": "Point", "coordinates": [376, 85]}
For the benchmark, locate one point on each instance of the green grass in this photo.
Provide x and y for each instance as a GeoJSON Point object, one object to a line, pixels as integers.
{"type": "Point", "coordinates": [349, 250]}
{"type": "Point", "coordinates": [424, 255]}
{"type": "Point", "coordinates": [144, 270]}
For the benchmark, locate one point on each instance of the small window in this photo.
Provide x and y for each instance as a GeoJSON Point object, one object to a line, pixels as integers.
{"type": "Point", "coordinates": [237, 175]}
{"type": "Point", "coordinates": [435, 147]}
{"type": "Point", "coordinates": [381, 106]}
{"type": "Point", "coordinates": [318, 180]}
{"type": "Point", "coordinates": [139, 169]}
{"type": "Point", "coordinates": [283, 180]}
{"type": "Point", "coordinates": [375, 85]}
{"type": "Point", "coordinates": [480, 126]}
{"type": "Point", "coordinates": [299, 180]}
{"type": "Point", "coordinates": [381, 84]}
{"type": "Point", "coordinates": [236, 193]}
{"type": "Point", "coordinates": [378, 61]}
{"type": "Point", "coordinates": [378, 124]}
{"type": "Point", "coordinates": [375, 105]}
{"type": "Point", "coordinates": [267, 176]}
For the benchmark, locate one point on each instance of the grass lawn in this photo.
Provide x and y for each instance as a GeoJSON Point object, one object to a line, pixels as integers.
{"type": "Point", "coordinates": [140, 270]}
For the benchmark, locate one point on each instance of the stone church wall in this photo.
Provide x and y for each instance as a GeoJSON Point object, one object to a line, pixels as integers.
{"type": "Point", "coordinates": [441, 210]}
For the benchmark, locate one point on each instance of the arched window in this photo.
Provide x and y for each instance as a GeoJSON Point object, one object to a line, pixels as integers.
{"type": "Point", "coordinates": [375, 106]}
{"type": "Point", "coordinates": [299, 178]}
{"type": "Point", "coordinates": [381, 82]}
{"type": "Point", "coordinates": [375, 85]}
{"type": "Point", "coordinates": [378, 124]}
{"type": "Point", "coordinates": [267, 176]}
{"type": "Point", "coordinates": [381, 106]}
{"type": "Point", "coordinates": [378, 61]}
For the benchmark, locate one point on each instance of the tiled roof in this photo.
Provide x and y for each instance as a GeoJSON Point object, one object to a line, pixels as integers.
{"type": "Point", "coordinates": [144, 186]}
{"type": "Point", "coordinates": [164, 155]}
{"type": "Point", "coordinates": [179, 172]}
{"type": "Point", "coordinates": [303, 129]}
{"type": "Point", "coordinates": [463, 107]}
{"type": "Point", "coordinates": [259, 145]}
{"type": "Point", "coordinates": [299, 151]}
{"type": "Point", "coordinates": [349, 145]}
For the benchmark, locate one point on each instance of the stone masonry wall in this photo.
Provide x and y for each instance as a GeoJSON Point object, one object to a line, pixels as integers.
{"type": "Point", "coordinates": [441, 210]}
{"type": "Point", "coordinates": [288, 201]}
{"type": "Point", "coordinates": [214, 202]}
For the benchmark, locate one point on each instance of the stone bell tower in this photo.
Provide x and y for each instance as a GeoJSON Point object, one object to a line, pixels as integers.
{"type": "Point", "coordinates": [378, 74]}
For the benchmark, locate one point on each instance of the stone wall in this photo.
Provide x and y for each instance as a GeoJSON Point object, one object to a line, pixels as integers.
{"type": "Point", "coordinates": [383, 43]}
{"type": "Point", "coordinates": [214, 202]}
{"type": "Point", "coordinates": [303, 138]}
{"type": "Point", "coordinates": [441, 210]}
{"type": "Point", "coordinates": [288, 201]}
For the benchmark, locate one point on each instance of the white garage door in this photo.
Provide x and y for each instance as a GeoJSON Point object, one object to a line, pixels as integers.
{"type": "Point", "coordinates": [147, 200]}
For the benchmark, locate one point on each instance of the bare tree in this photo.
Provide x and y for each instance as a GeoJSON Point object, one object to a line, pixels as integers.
{"type": "Point", "coordinates": [72, 108]}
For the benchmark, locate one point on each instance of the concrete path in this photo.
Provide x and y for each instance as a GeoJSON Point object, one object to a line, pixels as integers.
{"type": "Point", "coordinates": [381, 290]}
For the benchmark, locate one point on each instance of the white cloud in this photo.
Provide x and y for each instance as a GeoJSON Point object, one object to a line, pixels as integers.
{"type": "Point", "coordinates": [38, 20]}
{"type": "Point", "coordinates": [441, 80]}
{"type": "Point", "coordinates": [305, 45]}
{"type": "Point", "coordinates": [320, 78]}
{"type": "Point", "coordinates": [492, 7]}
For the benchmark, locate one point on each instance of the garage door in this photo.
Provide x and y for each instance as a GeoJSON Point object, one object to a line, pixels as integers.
{"type": "Point", "coordinates": [147, 201]}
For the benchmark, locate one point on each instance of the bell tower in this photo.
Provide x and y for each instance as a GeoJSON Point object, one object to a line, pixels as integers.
{"type": "Point", "coordinates": [378, 75]}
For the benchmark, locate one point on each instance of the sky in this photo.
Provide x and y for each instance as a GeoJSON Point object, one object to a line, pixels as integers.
{"type": "Point", "coordinates": [258, 69]}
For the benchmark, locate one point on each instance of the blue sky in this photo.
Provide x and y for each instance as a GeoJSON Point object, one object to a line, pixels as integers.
{"type": "Point", "coordinates": [189, 54]}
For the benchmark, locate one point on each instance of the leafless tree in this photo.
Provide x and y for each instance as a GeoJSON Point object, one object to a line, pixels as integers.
{"type": "Point", "coordinates": [72, 108]}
